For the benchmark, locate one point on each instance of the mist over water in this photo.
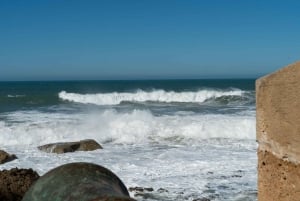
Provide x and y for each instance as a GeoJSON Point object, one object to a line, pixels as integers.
{"type": "Point", "coordinates": [195, 139]}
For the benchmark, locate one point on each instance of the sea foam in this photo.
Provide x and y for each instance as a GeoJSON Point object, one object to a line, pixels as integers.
{"type": "Point", "coordinates": [116, 98]}
{"type": "Point", "coordinates": [135, 127]}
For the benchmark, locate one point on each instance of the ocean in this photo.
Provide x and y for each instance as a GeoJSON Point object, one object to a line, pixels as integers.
{"type": "Point", "coordinates": [186, 139]}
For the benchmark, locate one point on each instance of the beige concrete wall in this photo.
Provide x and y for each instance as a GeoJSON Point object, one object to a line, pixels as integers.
{"type": "Point", "coordinates": [278, 135]}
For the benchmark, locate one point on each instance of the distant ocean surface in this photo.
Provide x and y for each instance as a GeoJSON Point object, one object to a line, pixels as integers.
{"type": "Point", "coordinates": [187, 139]}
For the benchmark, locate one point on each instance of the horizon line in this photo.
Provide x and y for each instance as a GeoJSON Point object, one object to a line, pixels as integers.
{"type": "Point", "coordinates": [130, 79]}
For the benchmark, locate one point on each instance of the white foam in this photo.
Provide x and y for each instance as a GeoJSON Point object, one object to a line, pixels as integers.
{"type": "Point", "coordinates": [176, 153]}
{"type": "Point", "coordinates": [143, 96]}
{"type": "Point", "coordinates": [185, 172]}
{"type": "Point", "coordinates": [15, 96]}
{"type": "Point", "coordinates": [136, 127]}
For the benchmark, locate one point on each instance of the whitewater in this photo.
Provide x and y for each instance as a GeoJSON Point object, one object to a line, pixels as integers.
{"type": "Point", "coordinates": [187, 140]}
{"type": "Point", "coordinates": [142, 96]}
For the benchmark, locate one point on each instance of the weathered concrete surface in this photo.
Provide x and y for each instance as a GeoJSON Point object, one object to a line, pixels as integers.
{"type": "Point", "coordinates": [78, 181]}
{"type": "Point", "coordinates": [63, 147]}
{"type": "Point", "coordinates": [278, 179]}
{"type": "Point", "coordinates": [278, 134]}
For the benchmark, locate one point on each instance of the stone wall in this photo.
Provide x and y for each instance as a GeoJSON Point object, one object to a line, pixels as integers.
{"type": "Point", "coordinates": [278, 134]}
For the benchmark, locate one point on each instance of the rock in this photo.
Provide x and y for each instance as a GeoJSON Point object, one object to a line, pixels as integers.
{"type": "Point", "coordinates": [162, 190]}
{"type": "Point", "coordinates": [201, 199]}
{"type": "Point", "coordinates": [63, 147]}
{"type": "Point", "coordinates": [140, 189]}
{"type": "Point", "coordinates": [106, 198]}
{"type": "Point", "coordinates": [15, 182]}
{"type": "Point", "coordinates": [146, 193]}
{"type": "Point", "coordinates": [78, 181]}
{"type": "Point", "coordinates": [5, 157]}
{"type": "Point", "coordinates": [277, 132]}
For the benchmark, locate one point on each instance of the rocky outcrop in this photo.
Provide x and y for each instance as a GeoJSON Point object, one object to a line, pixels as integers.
{"type": "Point", "coordinates": [63, 147]}
{"type": "Point", "coordinates": [5, 157]}
{"type": "Point", "coordinates": [15, 182]}
{"type": "Point", "coordinates": [278, 134]}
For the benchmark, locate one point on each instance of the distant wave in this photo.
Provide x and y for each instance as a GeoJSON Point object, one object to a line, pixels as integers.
{"type": "Point", "coordinates": [15, 96]}
{"type": "Point", "coordinates": [116, 98]}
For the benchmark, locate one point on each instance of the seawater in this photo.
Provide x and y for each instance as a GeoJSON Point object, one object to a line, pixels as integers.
{"type": "Point", "coordinates": [187, 139]}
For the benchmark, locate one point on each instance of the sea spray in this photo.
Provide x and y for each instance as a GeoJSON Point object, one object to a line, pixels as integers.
{"type": "Point", "coordinates": [135, 127]}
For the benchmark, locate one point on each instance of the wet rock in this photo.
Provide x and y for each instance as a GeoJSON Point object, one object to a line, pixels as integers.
{"type": "Point", "coordinates": [146, 196]}
{"type": "Point", "coordinates": [15, 182]}
{"type": "Point", "coordinates": [78, 181]}
{"type": "Point", "coordinates": [236, 176]}
{"type": "Point", "coordinates": [110, 198]}
{"type": "Point", "coordinates": [148, 193]}
{"type": "Point", "coordinates": [162, 190]}
{"type": "Point", "coordinates": [201, 199]}
{"type": "Point", "coordinates": [5, 157]}
{"type": "Point", "coordinates": [63, 147]}
{"type": "Point", "coordinates": [140, 189]}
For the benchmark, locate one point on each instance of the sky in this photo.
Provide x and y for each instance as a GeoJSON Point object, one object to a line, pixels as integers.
{"type": "Point", "coordinates": [146, 39]}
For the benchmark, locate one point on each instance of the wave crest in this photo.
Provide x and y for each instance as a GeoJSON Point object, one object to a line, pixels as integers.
{"type": "Point", "coordinates": [136, 127]}
{"type": "Point", "coordinates": [116, 98]}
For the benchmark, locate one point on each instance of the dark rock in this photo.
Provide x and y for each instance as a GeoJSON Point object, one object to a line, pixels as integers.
{"type": "Point", "coordinates": [236, 175]}
{"type": "Point", "coordinates": [15, 182]}
{"type": "Point", "coordinates": [110, 198]}
{"type": "Point", "coordinates": [78, 181]}
{"type": "Point", "coordinates": [201, 199]}
{"type": "Point", "coordinates": [5, 157]}
{"type": "Point", "coordinates": [149, 189]}
{"type": "Point", "coordinates": [140, 189]}
{"type": "Point", "coordinates": [145, 193]}
{"type": "Point", "coordinates": [63, 147]}
{"type": "Point", "coordinates": [162, 190]}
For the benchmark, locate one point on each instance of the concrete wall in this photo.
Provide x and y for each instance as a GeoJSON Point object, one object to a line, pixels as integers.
{"type": "Point", "coordinates": [278, 135]}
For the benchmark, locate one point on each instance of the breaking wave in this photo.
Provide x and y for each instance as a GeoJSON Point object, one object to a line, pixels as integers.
{"type": "Point", "coordinates": [15, 96]}
{"type": "Point", "coordinates": [116, 98]}
{"type": "Point", "coordinates": [110, 126]}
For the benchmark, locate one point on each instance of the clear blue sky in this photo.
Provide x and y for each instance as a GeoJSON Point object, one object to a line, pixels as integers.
{"type": "Point", "coordinates": [109, 39]}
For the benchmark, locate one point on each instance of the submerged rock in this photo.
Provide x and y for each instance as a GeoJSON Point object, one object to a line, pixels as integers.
{"type": "Point", "coordinates": [15, 182]}
{"type": "Point", "coordinates": [5, 157]}
{"type": "Point", "coordinates": [78, 181]}
{"type": "Point", "coordinates": [63, 147]}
